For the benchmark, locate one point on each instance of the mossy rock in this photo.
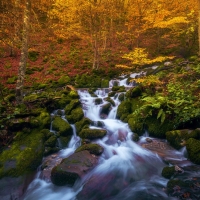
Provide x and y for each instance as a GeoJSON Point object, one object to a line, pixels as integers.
{"type": "Point", "coordinates": [135, 137]}
{"type": "Point", "coordinates": [24, 155]}
{"type": "Point", "coordinates": [76, 115]}
{"type": "Point", "coordinates": [61, 103]}
{"type": "Point", "coordinates": [134, 92]}
{"type": "Point", "coordinates": [19, 123]}
{"type": "Point", "coordinates": [72, 105]}
{"type": "Point", "coordinates": [177, 138]}
{"type": "Point", "coordinates": [92, 148]}
{"type": "Point", "coordinates": [64, 141]}
{"type": "Point", "coordinates": [72, 168]}
{"type": "Point", "coordinates": [50, 150]}
{"type": "Point", "coordinates": [136, 126]}
{"type": "Point", "coordinates": [105, 110]}
{"type": "Point", "coordinates": [118, 88]}
{"type": "Point", "coordinates": [108, 99]}
{"type": "Point", "coordinates": [47, 133]}
{"type": "Point", "coordinates": [98, 101]}
{"type": "Point", "coordinates": [175, 182]}
{"type": "Point", "coordinates": [62, 127]}
{"type": "Point", "coordinates": [98, 123]}
{"type": "Point", "coordinates": [111, 94]}
{"type": "Point", "coordinates": [156, 129]}
{"type": "Point", "coordinates": [123, 109]}
{"type": "Point", "coordinates": [168, 172]}
{"type": "Point", "coordinates": [51, 142]}
{"type": "Point", "coordinates": [121, 97]}
{"type": "Point", "coordinates": [92, 133]}
{"type": "Point", "coordinates": [73, 94]}
{"type": "Point", "coordinates": [193, 149]}
{"type": "Point", "coordinates": [83, 123]}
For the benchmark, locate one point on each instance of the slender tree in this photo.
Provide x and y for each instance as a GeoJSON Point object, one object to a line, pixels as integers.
{"type": "Point", "coordinates": [24, 53]}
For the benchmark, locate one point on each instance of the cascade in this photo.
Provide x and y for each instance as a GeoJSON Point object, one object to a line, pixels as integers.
{"type": "Point", "coordinates": [125, 170]}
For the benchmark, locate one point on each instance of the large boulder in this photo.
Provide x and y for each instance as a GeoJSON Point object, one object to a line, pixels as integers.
{"type": "Point", "coordinates": [82, 124]}
{"type": "Point", "coordinates": [92, 133]}
{"type": "Point", "coordinates": [92, 148]}
{"type": "Point", "coordinates": [72, 105]}
{"type": "Point", "coordinates": [178, 138]}
{"type": "Point", "coordinates": [105, 110]}
{"type": "Point", "coordinates": [62, 127]}
{"type": "Point", "coordinates": [75, 115]}
{"type": "Point", "coordinates": [193, 149]}
{"type": "Point", "coordinates": [72, 168]}
{"type": "Point", "coordinates": [124, 109]}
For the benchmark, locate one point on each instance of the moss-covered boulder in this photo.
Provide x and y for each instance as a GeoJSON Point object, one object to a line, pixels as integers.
{"type": "Point", "coordinates": [51, 142]}
{"type": "Point", "coordinates": [111, 94]}
{"type": "Point", "coordinates": [193, 149]}
{"type": "Point", "coordinates": [82, 124]}
{"type": "Point", "coordinates": [62, 127]}
{"type": "Point", "coordinates": [168, 172]}
{"type": "Point", "coordinates": [24, 155]}
{"type": "Point", "coordinates": [92, 148]}
{"type": "Point", "coordinates": [75, 115]}
{"type": "Point", "coordinates": [106, 108]}
{"type": "Point", "coordinates": [108, 99]}
{"type": "Point", "coordinates": [178, 138]}
{"type": "Point", "coordinates": [72, 168]}
{"type": "Point", "coordinates": [63, 80]}
{"type": "Point", "coordinates": [134, 92]}
{"type": "Point", "coordinates": [136, 126]}
{"type": "Point", "coordinates": [72, 105]}
{"type": "Point", "coordinates": [118, 88]}
{"type": "Point", "coordinates": [124, 109]}
{"type": "Point", "coordinates": [98, 101]}
{"type": "Point", "coordinates": [121, 97]}
{"type": "Point", "coordinates": [92, 133]}
{"type": "Point", "coordinates": [156, 128]}
{"type": "Point", "coordinates": [135, 137]}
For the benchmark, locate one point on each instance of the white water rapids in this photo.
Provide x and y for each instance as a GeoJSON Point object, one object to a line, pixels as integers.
{"type": "Point", "coordinates": [126, 171]}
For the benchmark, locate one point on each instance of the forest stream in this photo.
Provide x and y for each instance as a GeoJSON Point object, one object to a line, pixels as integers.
{"type": "Point", "coordinates": [126, 169]}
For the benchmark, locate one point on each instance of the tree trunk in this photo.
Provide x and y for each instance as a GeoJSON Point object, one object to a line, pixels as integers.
{"type": "Point", "coordinates": [24, 53]}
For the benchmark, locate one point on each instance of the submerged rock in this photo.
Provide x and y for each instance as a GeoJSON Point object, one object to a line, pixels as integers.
{"type": "Point", "coordinates": [193, 148]}
{"type": "Point", "coordinates": [92, 148]}
{"type": "Point", "coordinates": [72, 168]}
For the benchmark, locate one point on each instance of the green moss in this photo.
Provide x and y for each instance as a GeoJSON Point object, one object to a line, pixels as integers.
{"type": "Point", "coordinates": [43, 120]}
{"type": "Point", "coordinates": [51, 142]}
{"type": "Point", "coordinates": [193, 149]}
{"type": "Point", "coordinates": [177, 138]}
{"type": "Point", "coordinates": [168, 172]}
{"type": "Point", "coordinates": [108, 99]}
{"type": "Point", "coordinates": [84, 123]}
{"type": "Point", "coordinates": [156, 129]}
{"type": "Point", "coordinates": [63, 80]}
{"type": "Point", "coordinates": [175, 182]}
{"type": "Point", "coordinates": [98, 101]}
{"type": "Point", "coordinates": [64, 141]}
{"type": "Point", "coordinates": [105, 109]}
{"type": "Point", "coordinates": [121, 97]}
{"type": "Point", "coordinates": [118, 88]}
{"type": "Point", "coordinates": [92, 148]}
{"type": "Point", "coordinates": [62, 127]}
{"type": "Point", "coordinates": [92, 133]}
{"type": "Point", "coordinates": [24, 155]}
{"type": "Point", "coordinates": [76, 115]}
{"type": "Point", "coordinates": [104, 83]}
{"type": "Point", "coordinates": [72, 105]}
{"type": "Point", "coordinates": [111, 94]}
{"type": "Point", "coordinates": [123, 109]}
{"type": "Point", "coordinates": [134, 92]}
{"type": "Point", "coordinates": [135, 137]}
{"type": "Point", "coordinates": [136, 126]}
{"type": "Point", "coordinates": [73, 94]}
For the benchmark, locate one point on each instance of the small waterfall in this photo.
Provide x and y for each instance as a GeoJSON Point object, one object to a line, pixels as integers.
{"type": "Point", "coordinates": [126, 170]}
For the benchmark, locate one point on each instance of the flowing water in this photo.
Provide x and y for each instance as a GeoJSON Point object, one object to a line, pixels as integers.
{"type": "Point", "coordinates": [125, 170]}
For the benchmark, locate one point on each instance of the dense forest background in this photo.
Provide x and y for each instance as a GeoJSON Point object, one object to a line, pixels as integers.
{"type": "Point", "coordinates": [75, 37]}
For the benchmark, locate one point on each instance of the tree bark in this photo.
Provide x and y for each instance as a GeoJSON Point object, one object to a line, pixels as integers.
{"type": "Point", "coordinates": [24, 53]}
